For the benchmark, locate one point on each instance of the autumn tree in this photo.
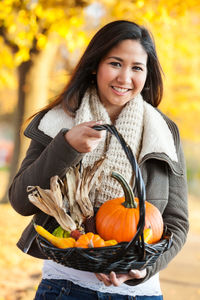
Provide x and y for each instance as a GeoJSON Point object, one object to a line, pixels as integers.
{"type": "Point", "coordinates": [25, 28]}
{"type": "Point", "coordinates": [28, 27]}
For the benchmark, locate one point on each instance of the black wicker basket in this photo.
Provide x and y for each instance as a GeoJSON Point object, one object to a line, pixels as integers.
{"type": "Point", "coordinates": [122, 257]}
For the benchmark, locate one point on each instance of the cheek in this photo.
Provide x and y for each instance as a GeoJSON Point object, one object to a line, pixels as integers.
{"type": "Point", "coordinates": [140, 82]}
{"type": "Point", "coordinates": [104, 76]}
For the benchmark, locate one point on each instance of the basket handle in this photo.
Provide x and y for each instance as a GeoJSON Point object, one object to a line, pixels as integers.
{"type": "Point", "coordinates": [139, 184]}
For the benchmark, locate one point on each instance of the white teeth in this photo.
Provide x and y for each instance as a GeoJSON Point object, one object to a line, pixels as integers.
{"type": "Point", "coordinates": [122, 90]}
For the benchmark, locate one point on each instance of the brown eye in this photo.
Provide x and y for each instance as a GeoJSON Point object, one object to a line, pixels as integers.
{"type": "Point", "coordinates": [115, 64]}
{"type": "Point", "coordinates": [136, 68]}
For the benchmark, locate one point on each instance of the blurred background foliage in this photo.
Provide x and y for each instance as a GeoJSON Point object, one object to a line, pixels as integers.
{"type": "Point", "coordinates": [41, 41]}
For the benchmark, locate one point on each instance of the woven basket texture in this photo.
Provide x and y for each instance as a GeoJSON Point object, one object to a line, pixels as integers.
{"type": "Point", "coordinates": [122, 257]}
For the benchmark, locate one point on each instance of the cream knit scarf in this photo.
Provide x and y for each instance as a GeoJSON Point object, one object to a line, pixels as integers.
{"type": "Point", "coordinates": [130, 124]}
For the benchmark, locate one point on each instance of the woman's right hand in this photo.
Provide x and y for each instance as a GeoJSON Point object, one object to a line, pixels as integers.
{"type": "Point", "coordinates": [83, 138]}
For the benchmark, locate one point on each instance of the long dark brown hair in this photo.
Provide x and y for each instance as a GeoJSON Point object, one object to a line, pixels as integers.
{"type": "Point", "coordinates": [103, 41]}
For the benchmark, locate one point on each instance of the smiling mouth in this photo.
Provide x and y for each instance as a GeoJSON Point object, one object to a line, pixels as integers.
{"type": "Point", "coordinates": [120, 90]}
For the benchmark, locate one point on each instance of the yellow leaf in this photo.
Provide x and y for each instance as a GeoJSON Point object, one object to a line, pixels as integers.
{"type": "Point", "coordinates": [140, 3]}
{"type": "Point", "coordinates": [22, 55]}
{"type": "Point", "coordinates": [41, 41]}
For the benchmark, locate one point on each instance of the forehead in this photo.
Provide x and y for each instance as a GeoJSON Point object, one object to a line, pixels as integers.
{"type": "Point", "coordinates": [128, 48]}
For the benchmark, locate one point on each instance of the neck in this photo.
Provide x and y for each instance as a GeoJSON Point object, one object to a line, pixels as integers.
{"type": "Point", "coordinates": [113, 112]}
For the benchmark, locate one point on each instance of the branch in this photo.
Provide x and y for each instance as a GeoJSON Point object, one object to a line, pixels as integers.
{"type": "Point", "coordinates": [8, 42]}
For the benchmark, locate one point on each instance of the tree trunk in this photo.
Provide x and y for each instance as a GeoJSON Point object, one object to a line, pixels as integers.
{"type": "Point", "coordinates": [38, 81]}
{"type": "Point", "coordinates": [23, 70]}
{"type": "Point", "coordinates": [32, 96]}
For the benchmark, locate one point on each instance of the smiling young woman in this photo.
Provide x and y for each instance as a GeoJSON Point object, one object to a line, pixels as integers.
{"type": "Point", "coordinates": [118, 80]}
{"type": "Point", "coordinates": [121, 75]}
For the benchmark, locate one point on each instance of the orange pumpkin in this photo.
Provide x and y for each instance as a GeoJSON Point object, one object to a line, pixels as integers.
{"type": "Point", "coordinates": [90, 240]}
{"type": "Point", "coordinates": [118, 218]}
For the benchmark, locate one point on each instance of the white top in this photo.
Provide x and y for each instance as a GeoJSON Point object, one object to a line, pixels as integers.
{"type": "Point", "coordinates": [53, 270]}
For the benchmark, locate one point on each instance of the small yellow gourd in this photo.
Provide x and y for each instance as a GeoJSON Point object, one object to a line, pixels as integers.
{"type": "Point", "coordinates": [61, 243]}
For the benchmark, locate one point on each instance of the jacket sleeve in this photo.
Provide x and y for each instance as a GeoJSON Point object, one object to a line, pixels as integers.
{"type": "Point", "coordinates": [175, 217]}
{"type": "Point", "coordinates": [39, 165]}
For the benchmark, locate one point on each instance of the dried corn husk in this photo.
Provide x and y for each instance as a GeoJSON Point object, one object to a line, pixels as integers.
{"type": "Point", "coordinates": [85, 182]}
{"type": "Point", "coordinates": [68, 200]}
{"type": "Point", "coordinates": [50, 202]}
{"type": "Point", "coordinates": [70, 194]}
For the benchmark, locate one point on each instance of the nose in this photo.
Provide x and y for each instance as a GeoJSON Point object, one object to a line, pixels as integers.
{"type": "Point", "coordinates": [124, 76]}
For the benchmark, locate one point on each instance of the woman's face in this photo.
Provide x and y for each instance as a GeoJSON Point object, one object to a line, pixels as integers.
{"type": "Point", "coordinates": [121, 74]}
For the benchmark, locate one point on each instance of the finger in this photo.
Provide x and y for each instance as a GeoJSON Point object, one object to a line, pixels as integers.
{"type": "Point", "coordinates": [105, 279]}
{"type": "Point", "coordinates": [92, 133]}
{"type": "Point", "coordinates": [118, 279]}
{"type": "Point", "coordinates": [113, 278]}
{"type": "Point", "coordinates": [137, 273]}
{"type": "Point", "coordinates": [92, 123]}
{"type": "Point", "coordinates": [101, 276]}
{"type": "Point", "coordinates": [98, 276]}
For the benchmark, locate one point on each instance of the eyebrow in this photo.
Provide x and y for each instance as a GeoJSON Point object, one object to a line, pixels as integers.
{"type": "Point", "coordinates": [121, 60]}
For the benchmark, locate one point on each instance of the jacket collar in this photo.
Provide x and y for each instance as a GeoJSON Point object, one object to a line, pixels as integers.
{"type": "Point", "coordinates": [34, 133]}
{"type": "Point", "coordinates": [157, 137]}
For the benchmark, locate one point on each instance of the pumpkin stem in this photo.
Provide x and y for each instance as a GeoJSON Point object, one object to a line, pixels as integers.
{"type": "Point", "coordinates": [128, 191]}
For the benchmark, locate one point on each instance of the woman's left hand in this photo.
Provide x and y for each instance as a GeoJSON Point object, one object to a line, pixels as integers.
{"type": "Point", "coordinates": [118, 279]}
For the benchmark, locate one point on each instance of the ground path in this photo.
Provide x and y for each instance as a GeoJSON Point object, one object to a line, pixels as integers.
{"type": "Point", "coordinates": [181, 279]}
